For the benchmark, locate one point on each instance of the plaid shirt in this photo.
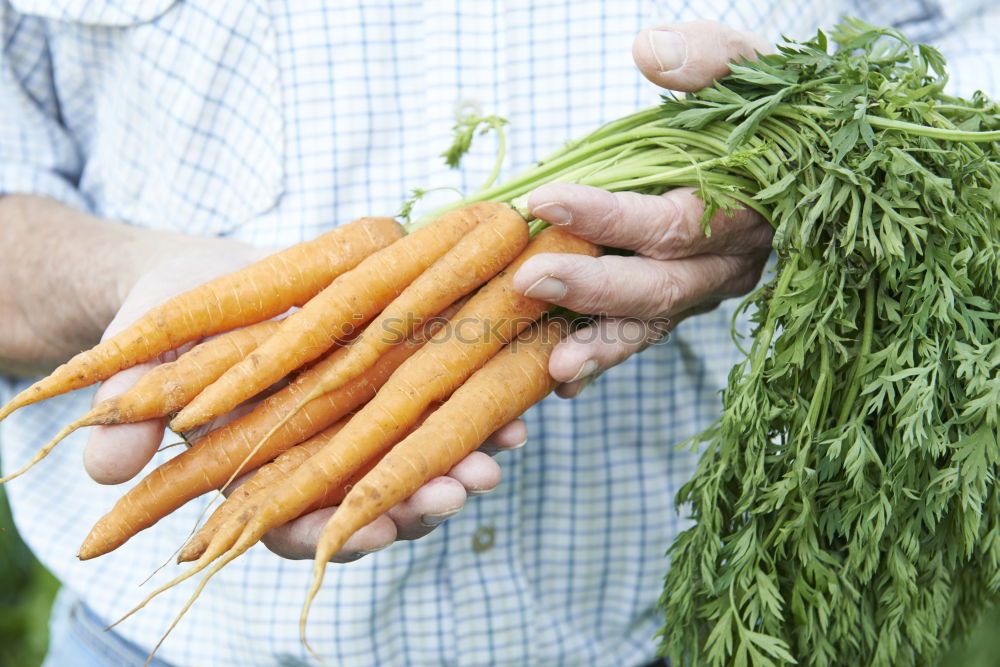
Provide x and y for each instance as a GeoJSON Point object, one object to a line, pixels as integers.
{"type": "Point", "coordinates": [270, 121]}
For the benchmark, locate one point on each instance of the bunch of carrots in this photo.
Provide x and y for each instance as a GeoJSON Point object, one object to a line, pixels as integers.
{"type": "Point", "coordinates": [396, 374]}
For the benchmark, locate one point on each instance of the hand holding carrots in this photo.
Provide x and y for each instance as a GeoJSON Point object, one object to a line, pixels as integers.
{"type": "Point", "coordinates": [677, 270]}
{"type": "Point", "coordinates": [116, 453]}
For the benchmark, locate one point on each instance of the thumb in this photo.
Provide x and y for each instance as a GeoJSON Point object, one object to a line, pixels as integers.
{"type": "Point", "coordinates": [690, 56]}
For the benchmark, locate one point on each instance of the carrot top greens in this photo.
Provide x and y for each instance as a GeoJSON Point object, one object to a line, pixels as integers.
{"type": "Point", "coordinates": [846, 507]}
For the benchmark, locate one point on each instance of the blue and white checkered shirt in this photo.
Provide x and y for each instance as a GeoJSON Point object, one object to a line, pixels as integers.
{"type": "Point", "coordinates": [270, 121]}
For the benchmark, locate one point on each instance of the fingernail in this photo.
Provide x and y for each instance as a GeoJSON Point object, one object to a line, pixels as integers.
{"type": "Point", "coordinates": [431, 520]}
{"type": "Point", "coordinates": [355, 555]}
{"type": "Point", "coordinates": [371, 551]}
{"type": "Point", "coordinates": [669, 48]}
{"type": "Point", "coordinates": [477, 492]}
{"type": "Point", "coordinates": [588, 368]}
{"type": "Point", "coordinates": [553, 213]}
{"type": "Point", "coordinates": [584, 383]}
{"type": "Point", "coordinates": [546, 288]}
{"type": "Point", "coordinates": [518, 445]}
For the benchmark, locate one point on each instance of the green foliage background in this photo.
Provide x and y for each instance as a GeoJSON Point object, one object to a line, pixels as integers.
{"type": "Point", "coordinates": [26, 593]}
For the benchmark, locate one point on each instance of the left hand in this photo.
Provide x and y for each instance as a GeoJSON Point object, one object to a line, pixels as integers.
{"type": "Point", "coordinates": [677, 270]}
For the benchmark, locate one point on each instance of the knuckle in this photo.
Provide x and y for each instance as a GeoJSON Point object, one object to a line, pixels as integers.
{"type": "Point", "coordinates": [666, 293]}
{"type": "Point", "coordinates": [592, 289]}
{"type": "Point", "coordinates": [674, 235]}
{"type": "Point", "coordinates": [746, 275]}
{"type": "Point", "coordinates": [606, 221]}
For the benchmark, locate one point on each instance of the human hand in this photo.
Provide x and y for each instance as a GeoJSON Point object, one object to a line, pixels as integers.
{"type": "Point", "coordinates": [677, 270]}
{"type": "Point", "coordinates": [115, 454]}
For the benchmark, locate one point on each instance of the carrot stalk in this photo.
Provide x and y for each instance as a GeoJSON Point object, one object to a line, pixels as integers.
{"type": "Point", "coordinates": [167, 387]}
{"type": "Point", "coordinates": [511, 382]}
{"type": "Point", "coordinates": [354, 297]}
{"type": "Point", "coordinates": [260, 291]}
{"type": "Point", "coordinates": [236, 447]}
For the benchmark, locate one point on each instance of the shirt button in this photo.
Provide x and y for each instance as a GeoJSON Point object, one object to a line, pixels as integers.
{"type": "Point", "coordinates": [483, 538]}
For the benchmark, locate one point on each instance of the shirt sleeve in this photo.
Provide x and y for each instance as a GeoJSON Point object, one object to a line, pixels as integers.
{"type": "Point", "coordinates": [37, 153]}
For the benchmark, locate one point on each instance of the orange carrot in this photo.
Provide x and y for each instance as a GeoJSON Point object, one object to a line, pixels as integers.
{"type": "Point", "coordinates": [480, 255]}
{"type": "Point", "coordinates": [167, 387]}
{"type": "Point", "coordinates": [261, 478]}
{"type": "Point", "coordinates": [224, 452]}
{"type": "Point", "coordinates": [511, 382]}
{"type": "Point", "coordinates": [351, 299]}
{"type": "Point", "coordinates": [265, 480]}
{"type": "Point", "coordinates": [491, 318]}
{"type": "Point", "coordinates": [258, 292]}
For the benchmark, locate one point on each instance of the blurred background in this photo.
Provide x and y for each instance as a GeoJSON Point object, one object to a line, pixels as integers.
{"type": "Point", "coordinates": [26, 593]}
{"type": "Point", "coordinates": [27, 590]}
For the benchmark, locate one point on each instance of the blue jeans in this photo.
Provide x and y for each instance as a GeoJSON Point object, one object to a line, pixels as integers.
{"type": "Point", "coordinates": [77, 639]}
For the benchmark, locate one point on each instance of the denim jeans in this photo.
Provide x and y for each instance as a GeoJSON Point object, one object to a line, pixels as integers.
{"type": "Point", "coordinates": [77, 639]}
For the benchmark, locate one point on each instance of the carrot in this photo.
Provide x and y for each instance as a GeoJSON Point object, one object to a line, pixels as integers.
{"type": "Point", "coordinates": [265, 480]}
{"type": "Point", "coordinates": [510, 383]}
{"type": "Point", "coordinates": [224, 452]}
{"type": "Point", "coordinates": [258, 292]}
{"type": "Point", "coordinates": [354, 297]}
{"type": "Point", "coordinates": [491, 318]}
{"type": "Point", "coordinates": [480, 255]}
{"type": "Point", "coordinates": [167, 387]}
{"type": "Point", "coordinates": [477, 257]}
{"type": "Point", "coordinates": [261, 478]}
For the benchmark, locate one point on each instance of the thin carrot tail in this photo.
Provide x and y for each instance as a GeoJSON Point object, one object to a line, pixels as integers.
{"type": "Point", "coordinates": [43, 389]}
{"type": "Point", "coordinates": [319, 569]}
{"type": "Point", "coordinates": [44, 451]}
{"type": "Point", "coordinates": [184, 576]}
{"type": "Point", "coordinates": [228, 558]}
{"type": "Point", "coordinates": [220, 546]}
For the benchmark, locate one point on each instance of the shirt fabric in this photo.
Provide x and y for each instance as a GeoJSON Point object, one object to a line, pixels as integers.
{"type": "Point", "coordinates": [270, 122]}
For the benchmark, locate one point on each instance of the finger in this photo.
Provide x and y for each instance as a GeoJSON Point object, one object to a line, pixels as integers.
{"type": "Point", "coordinates": [296, 540]}
{"type": "Point", "coordinates": [116, 454]}
{"type": "Point", "coordinates": [425, 510]}
{"type": "Point", "coordinates": [595, 348]}
{"type": "Point", "coordinates": [663, 227]}
{"type": "Point", "coordinates": [636, 287]}
{"type": "Point", "coordinates": [477, 473]}
{"type": "Point", "coordinates": [690, 56]}
{"type": "Point", "coordinates": [513, 435]}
